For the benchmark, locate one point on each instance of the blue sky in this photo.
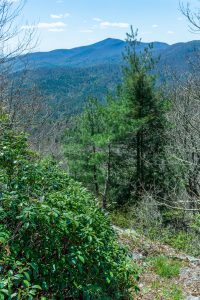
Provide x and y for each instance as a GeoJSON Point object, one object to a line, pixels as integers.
{"type": "Point", "coordinates": [71, 23]}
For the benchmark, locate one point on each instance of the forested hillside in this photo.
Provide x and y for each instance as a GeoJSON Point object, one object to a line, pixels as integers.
{"type": "Point", "coordinates": [66, 78]}
{"type": "Point", "coordinates": [59, 83]}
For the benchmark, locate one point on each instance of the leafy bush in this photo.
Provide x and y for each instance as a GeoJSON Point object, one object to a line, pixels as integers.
{"type": "Point", "coordinates": [55, 243]}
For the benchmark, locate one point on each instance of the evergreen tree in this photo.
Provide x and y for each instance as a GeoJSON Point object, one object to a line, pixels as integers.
{"type": "Point", "coordinates": [92, 148]}
{"type": "Point", "coordinates": [147, 116]}
{"type": "Point", "coordinates": [81, 149]}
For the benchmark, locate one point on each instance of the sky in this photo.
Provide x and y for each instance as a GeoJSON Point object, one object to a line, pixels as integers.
{"type": "Point", "coordinates": [63, 24]}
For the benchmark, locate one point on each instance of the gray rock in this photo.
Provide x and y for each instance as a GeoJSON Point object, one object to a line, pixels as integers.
{"type": "Point", "coordinates": [136, 256]}
{"type": "Point", "coordinates": [193, 298]}
{"type": "Point", "coordinates": [190, 275]}
{"type": "Point", "coordinates": [193, 260]}
{"type": "Point", "coordinates": [125, 231]}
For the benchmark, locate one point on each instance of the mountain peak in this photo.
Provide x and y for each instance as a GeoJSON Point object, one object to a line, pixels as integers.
{"type": "Point", "coordinates": [109, 42]}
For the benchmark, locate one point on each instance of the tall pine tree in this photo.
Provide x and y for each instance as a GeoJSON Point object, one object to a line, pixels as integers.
{"type": "Point", "coordinates": [147, 114]}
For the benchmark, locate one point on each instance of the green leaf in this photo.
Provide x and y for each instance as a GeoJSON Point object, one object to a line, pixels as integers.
{"type": "Point", "coordinates": [18, 276]}
{"type": "Point", "coordinates": [36, 287]}
{"type": "Point", "coordinates": [2, 297]}
{"type": "Point", "coordinates": [27, 276]}
{"type": "Point", "coordinates": [26, 283]}
{"type": "Point", "coordinates": [13, 295]}
{"type": "Point", "coordinates": [108, 280]}
{"type": "Point", "coordinates": [6, 292]}
{"type": "Point", "coordinates": [81, 258]}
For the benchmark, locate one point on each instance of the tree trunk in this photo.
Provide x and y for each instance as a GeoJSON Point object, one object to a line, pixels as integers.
{"type": "Point", "coordinates": [96, 186]}
{"type": "Point", "coordinates": [106, 186]}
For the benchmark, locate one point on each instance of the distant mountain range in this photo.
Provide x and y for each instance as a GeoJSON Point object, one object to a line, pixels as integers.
{"type": "Point", "coordinates": [70, 76]}
{"type": "Point", "coordinates": [108, 51]}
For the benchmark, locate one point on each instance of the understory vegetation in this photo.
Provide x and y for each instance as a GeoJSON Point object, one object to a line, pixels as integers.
{"type": "Point", "coordinates": [55, 242]}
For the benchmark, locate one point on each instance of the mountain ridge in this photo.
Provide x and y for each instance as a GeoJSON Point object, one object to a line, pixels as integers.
{"type": "Point", "coordinates": [68, 77]}
{"type": "Point", "coordinates": [106, 40]}
{"type": "Point", "coordinates": [106, 51]}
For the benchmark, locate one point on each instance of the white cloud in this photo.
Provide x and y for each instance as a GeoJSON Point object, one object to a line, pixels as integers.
{"type": "Point", "coordinates": [154, 26]}
{"type": "Point", "coordinates": [60, 16]}
{"type": "Point", "coordinates": [56, 29]}
{"type": "Point", "coordinates": [106, 24]}
{"type": "Point", "coordinates": [113, 25]}
{"type": "Point", "coordinates": [170, 32]}
{"type": "Point", "coordinates": [180, 19]}
{"type": "Point", "coordinates": [49, 26]}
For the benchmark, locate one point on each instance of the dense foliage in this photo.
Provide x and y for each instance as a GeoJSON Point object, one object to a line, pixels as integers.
{"type": "Point", "coordinates": [55, 243]}
{"type": "Point", "coordinates": [67, 89]}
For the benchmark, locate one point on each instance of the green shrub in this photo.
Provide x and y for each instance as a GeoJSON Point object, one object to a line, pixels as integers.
{"type": "Point", "coordinates": [55, 243]}
{"type": "Point", "coordinates": [173, 292]}
{"type": "Point", "coordinates": [196, 223]}
{"type": "Point", "coordinates": [179, 240]}
{"type": "Point", "coordinates": [165, 267]}
{"type": "Point", "coordinates": [188, 242]}
{"type": "Point", "coordinates": [123, 219]}
{"type": "Point", "coordinates": [167, 290]}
